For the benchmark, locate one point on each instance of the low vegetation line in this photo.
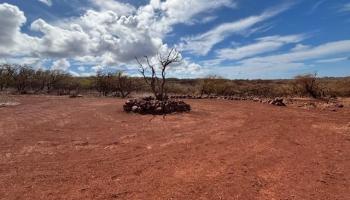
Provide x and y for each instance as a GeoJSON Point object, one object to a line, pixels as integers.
{"type": "Point", "coordinates": [23, 79]}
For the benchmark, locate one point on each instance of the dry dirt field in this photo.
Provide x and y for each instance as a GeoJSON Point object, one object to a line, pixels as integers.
{"type": "Point", "coordinates": [61, 148]}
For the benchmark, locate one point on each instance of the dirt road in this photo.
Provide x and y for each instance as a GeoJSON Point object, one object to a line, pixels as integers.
{"type": "Point", "coordinates": [61, 148]}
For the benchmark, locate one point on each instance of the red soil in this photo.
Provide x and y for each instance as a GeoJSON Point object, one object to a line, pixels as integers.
{"type": "Point", "coordinates": [61, 148]}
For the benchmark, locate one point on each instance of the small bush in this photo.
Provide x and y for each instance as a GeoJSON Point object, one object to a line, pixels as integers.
{"type": "Point", "coordinates": [309, 85]}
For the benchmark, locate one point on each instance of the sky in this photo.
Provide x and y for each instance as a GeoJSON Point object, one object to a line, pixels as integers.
{"type": "Point", "coordinates": [235, 39]}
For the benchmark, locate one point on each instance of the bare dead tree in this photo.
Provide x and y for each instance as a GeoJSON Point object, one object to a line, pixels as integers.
{"type": "Point", "coordinates": [124, 84]}
{"type": "Point", "coordinates": [157, 84]}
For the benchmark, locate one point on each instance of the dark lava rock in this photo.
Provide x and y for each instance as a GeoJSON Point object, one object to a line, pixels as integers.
{"type": "Point", "coordinates": [338, 105]}
{"type": "Point", "coordinates": [277, 102]}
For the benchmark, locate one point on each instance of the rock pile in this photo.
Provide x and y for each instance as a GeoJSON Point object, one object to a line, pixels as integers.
{"type": "Point", "coordinates": [75, 96]}
{"type": "Point", "coordinates": [152, 106]}
{"type": "Point", "coordinates": [339, 105]}
{"type": "Point", "coordinates": [209, 97]}
{"type": "Point", "coordinates": [277, 102]}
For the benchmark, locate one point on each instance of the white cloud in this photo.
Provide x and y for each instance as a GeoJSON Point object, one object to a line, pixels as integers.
{"type": "Point", "coordinates": [176, 11]}
{"type": "Point", "coordinates": [264, 45]}
{"type": "Point", "coordinates": [12, 41]}
{"type": "Point", "coordinates": [74, 73]}
{"type": "Point", "coordinates": [345, 8]}
{"type": "Point", "coordinates": [186, 69]}
{"type": "Point", "coordinates": [203, 20]}
{"type": "Point", "coordinates": [258, 67]}
{"type": "Point", "coordinates": [11, 19]}
{"type": "Point", "coordinates": [102, 37]}
{"type": "Point", "coordinates": [207, 19]}
{"type": "Point", "coordinates": [112, 36]}
{"type": "Point", "coordinates": [333, 60]}
{"type": "Point", "coordinates": [320, 51]}
{"type": "Point", "coordinates": [62, 64]}
{"type": "Point", "coordinates": [203, 43]}
{"type": "Point", "coordinates": [32, 61]}
{"type": "Point", "coordinates": [119, 8]}
{"type": "Point", "coordinates": [115, 33]}
{"type": "Point", "coordinates": [96, 34]}
{"type": "Point", "coordinates": [300, 47]}
{"type": "Point", "coordinates": [81, 68]}
{"type": "Point", "coordinates": [61, 43]}
{"type": "Point", "coordinates": [47, 2]}
{"type": "Point", "coordinates": [316, 6]}
{"type": "Point", "coordinates": [161, 16]}
{"type": "Point", "coordinates": [97, 68]}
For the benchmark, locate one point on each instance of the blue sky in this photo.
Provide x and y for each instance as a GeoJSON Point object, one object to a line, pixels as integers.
{"type": "Point", "coordinates": [232, 38]}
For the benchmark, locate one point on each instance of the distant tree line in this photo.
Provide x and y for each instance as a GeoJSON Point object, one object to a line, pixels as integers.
{"type": "Point", "coordinates": [115, 84]}
{"type": "Point", "coordinates": [23, 79]}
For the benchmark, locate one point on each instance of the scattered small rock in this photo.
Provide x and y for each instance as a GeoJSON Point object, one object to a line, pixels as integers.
{"type": "Point", "coordinates": [75, 96]}
{"type": "Point", "coordinates": [277, 102]}
{"type": "Point", "coordinates": [339, 105]}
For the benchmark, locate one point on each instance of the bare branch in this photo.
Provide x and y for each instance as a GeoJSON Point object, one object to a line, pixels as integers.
{"type": "Point", "coordinates": [142, 70]}
{"type": "Point", "coordinates": [157, 85]}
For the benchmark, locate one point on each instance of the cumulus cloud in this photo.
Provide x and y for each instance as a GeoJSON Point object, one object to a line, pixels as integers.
{"type": "Point", "coordinates": [102, 37]}
{"type": "Point", "coordinates": [47, 2]}
{"type": "Point", "coordinates": [201, 44]}
{"type": "Point", "coordinates": [114, 34]}
{"type": "Point", "coordinates": [118, 39]}
{"type": "Point", "coordinates": [57, 42]}
{"type": "Point", "coordinates": [11, 18]}
{"type": "Point", "coordinates": [11, 38]}
{"type": "Point", "coordinates": [61, 64]}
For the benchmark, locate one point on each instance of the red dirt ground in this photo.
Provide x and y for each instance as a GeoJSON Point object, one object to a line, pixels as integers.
{"type": "Point", "coordinates": [61, 148]}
